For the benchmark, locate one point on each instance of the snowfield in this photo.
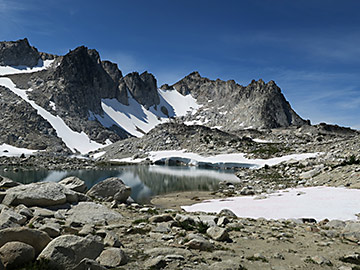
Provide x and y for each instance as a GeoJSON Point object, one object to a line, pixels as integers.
{"type": "Point", "coordinates": [73, 140]}
{"type": "Point", "coordinates": [8, 70]}
{"type": "Point", "coordinates": [12, 151]}
{"type": "Point", "coordinates": [136, 119]}
{"type": "Point", "coordinates": [312, 202]}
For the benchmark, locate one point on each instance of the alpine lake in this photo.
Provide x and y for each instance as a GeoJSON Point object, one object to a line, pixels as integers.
{"type": "Point", "coordinates": [145, 180]}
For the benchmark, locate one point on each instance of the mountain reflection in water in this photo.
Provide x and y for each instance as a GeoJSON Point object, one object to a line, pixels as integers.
{"type": "Point", "coordinates": [145, 181]}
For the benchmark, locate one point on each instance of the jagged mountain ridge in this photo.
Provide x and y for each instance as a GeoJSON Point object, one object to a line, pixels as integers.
{"type": "Point", "coordinates": [92, 96]}
{"type": "Point", "coordinates": [231, 106]}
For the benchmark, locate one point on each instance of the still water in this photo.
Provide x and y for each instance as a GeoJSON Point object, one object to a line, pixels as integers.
{"type": "Point", "coordinates": [145, 181]}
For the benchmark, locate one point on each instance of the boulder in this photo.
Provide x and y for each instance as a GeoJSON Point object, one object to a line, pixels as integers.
{"type": "Point", "coordinates": [6, 183]}
{"type": "Point", "coordinates": [160, 218]}
{"type": "Point", "coordinates": [351, 258]}
{"type": "Point", "coordinates": [92, 213]}
{"type": "Point", "coordinates": [16, 254]}
{"type": "Point", "coordinates": [7, 222]}
{"type": "Point", "coordinates": [112, 257]}
{"type": "Point", "coordinates": [87, 264]}
{"type": "Point", "coordinates": [218, 234]}
{"type": "Point", "coordinates": [67, 251]}
{"type": "Point", "coordinates": [36, 238]}
{"type": "Point", "coordinates": [39, 194]}
{"type": "Point", "coordinates": [110, 189]}
{"type": "Point", "coordinates": [75, 184]}
{"type": "Point", "coordinates": [199, 242]}
{"type": "Point", "coordinates": [13, 216]}
{"type": "Point", "coordinates": [351, 231]}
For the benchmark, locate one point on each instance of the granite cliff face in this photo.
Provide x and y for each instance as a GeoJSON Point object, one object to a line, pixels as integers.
{"type": "Point", "coordinates": [231, 106]}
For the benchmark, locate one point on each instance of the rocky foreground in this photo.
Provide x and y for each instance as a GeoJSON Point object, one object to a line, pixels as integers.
{"type": "Point", "coordinates": [65, 226]}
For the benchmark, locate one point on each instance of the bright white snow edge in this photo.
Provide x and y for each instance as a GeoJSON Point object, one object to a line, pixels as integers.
{"type": "Point", "coordinates": [8, 70]}
{"type": "Point", "coordinates": [7, 150]}
{"type": "Point", "coordinates": [136, 119]}
{"type": "Point", "coordinates": [233, 159]}
{"type": "Point", "coordinates": [73, 140]}
{"type": "Point", "coordinates": [316, 202]}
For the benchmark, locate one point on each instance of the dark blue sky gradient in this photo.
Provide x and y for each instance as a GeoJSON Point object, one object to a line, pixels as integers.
{"type": "Point", "coordinates": [311, 49]}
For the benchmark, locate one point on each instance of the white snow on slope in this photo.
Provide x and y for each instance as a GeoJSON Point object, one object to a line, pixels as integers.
{"type": "Point", "coordinates": [136, 119]}
{"type": "Point", "coordinates": [74, 140]}
{"type": "Point", "coordinates": [7, 150]}
{"type": "Point", "coordinates": [7, 70]}
{"type": "Point", "coordinates": [238, 158]}
{"type": "Point", "coordinates": [222, 160]}
{"type": "Point", "coordinates": [316, 202]}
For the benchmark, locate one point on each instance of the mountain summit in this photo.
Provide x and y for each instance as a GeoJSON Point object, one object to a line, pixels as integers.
{"type": "Point", "coordinates": [232, 106]}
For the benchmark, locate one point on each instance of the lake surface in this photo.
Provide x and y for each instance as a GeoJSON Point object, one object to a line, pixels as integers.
{"type": "Point", "coordinates": [145, 181]}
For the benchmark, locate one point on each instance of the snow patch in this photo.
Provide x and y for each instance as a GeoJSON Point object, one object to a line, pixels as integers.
{"type": "Point", "coordinates": [7, 150]}
{"type": "Point", "coordinates": [136, 119]}
{"type": "Point", "coordinates": [98, 155]}
{"type": "Point", "coordinates": [8, 70]}
{"type": "Point", "coordinates": [73, 140]}
{"type": "Point", "coordinates": [226, 159]}
{"type": "Point", "coordinates": [261, 141]}
{"type": "Point", "coordinates": [222, 160]}
{"type": "Point", "coordinates": [312, 202]}
{"type": "Point", "coordinates": [52, 105]}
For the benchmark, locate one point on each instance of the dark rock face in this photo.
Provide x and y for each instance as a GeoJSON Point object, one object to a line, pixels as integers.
{"type": "Point", "coordinates": [143, 88]}
{"type": "Point", "coordinates": [81, 82]}
{"type": "Point", "coordinates": [22, 126]}
{"type": "Point", "coordinates": [18, 53]}
{"type": "Point", "coordinates": [232, 106]}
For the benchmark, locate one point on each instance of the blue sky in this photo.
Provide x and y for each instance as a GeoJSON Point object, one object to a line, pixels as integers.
{"type": "Point", "coordinates": [311, 49]}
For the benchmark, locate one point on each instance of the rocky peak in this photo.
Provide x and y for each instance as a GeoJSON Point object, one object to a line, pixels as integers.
{"type": "Point", "coordinates": [84, 79]}
{"type": "Point", "coordinates": [260, 104]}
{"type": "Point", "coordinates": [143, 88]}
{"type": "Point", "coordinates": [112, 69]}
{"type": "Point", "coordinates": [18, 53]}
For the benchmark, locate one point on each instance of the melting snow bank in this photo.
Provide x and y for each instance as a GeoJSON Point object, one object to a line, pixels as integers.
{"type": "Point", "coordinates": [219, 161]}
{"type": "Point", "coordinates": [8, 70]}
{"type": "Point", "coordinates": [74, 140]}
{"type": "Point", "coordinates": [12, 151]}
{"type": "Point", "coordinates": [312, 202]}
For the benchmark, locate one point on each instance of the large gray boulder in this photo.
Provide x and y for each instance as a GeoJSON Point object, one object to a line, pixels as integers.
{"type": "Point", "coordinates": [35, 238]}
{"type": "Point", "coordinates": [39, 194]}
{"type": "Point", "coordinates": [92, 213]}
{"type": "Point", "coordinates": [74, 183]}
{"type": "Point", "coordinates": [110, 189]}
{"type": "Point", "coordinates": [67, 251]}
{"type": "Point", "coordinates": [112, 257]}
{"type": "Point", "coordinates": [351, 231]}
{"type": "Point", "coordinates": [18, 53]}
{"type": "Point", "coordinates": [16, 254]}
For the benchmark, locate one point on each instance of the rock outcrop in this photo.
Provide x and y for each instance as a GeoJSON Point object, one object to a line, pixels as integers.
{"type": "Point", "coordinates": [18, 53]}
